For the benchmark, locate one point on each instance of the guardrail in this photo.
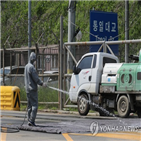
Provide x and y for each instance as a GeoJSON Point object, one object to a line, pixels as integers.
{"type": "Point", "coordinates": [19, 75]}
{"type": "Point", "coordinates": [46, 103]}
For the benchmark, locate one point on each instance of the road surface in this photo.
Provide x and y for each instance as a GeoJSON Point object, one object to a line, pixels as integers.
{"type": "Point", "coordinates": [70, 127]}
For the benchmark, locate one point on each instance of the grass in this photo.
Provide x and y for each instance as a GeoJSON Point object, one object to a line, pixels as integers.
{"type": "Point", "coordinates": [44, 95]}
{"type": "Point", "coordinates": [23, 107]}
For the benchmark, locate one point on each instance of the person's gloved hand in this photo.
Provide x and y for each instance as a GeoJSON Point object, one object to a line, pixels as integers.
{"type": "Point", "coordinates": [44, 84]}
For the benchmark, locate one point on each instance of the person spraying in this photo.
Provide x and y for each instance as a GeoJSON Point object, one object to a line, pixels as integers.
{"type": "Point", "coordinates": [31, 81]}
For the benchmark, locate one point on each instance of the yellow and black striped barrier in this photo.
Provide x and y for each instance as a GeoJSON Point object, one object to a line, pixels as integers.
{"type": "Point", "coordinates": [10, 98]}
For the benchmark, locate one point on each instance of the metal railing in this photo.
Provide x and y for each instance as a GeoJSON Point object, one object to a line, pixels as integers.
{"type": "Point", "coordinates": [104, 45]}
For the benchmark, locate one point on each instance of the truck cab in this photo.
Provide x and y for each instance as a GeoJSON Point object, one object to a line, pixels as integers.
{"type": "Point", "coordinates": [86, 76]}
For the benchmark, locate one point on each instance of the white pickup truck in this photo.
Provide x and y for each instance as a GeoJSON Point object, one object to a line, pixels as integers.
{"type": "Point", "coordinates": [86, 78]}
{"type": "Point", "coordinates": [99, 78]}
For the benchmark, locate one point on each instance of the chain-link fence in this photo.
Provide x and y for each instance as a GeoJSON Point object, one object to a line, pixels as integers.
{"type": "Point", "coordinates": [45, 30]}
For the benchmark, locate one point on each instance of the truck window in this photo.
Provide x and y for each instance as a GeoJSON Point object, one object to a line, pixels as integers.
{"type": "Point", "coordinates": [108, 60]}
{"type": "Point", "coordinates": [94, 62]}
{"type": "Point", "coordinates": [85, 63]}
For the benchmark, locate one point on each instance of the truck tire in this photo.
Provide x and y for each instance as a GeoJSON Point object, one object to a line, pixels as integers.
{"type": "Point", "coordinates": [123, 106]}
{"type": "Point", "coordinates": [83, 105]}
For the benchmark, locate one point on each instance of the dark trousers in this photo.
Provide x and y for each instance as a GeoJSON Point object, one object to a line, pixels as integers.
{"type": "Point", "coordinates": [32, 100]}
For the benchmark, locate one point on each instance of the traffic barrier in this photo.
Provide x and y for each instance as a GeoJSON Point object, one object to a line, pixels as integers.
{"type": "Point", "coordinates": [10, 98]}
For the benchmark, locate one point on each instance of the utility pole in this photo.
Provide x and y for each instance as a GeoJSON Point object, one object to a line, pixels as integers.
{"type": "Point", "coordinates": [61, 63]}
{"type": "Point", "coordinates": [126, 29]}
{"type": "Point", "coordinates": [71, 32]}
{"type": "Point", "coordinates": [29, 27]}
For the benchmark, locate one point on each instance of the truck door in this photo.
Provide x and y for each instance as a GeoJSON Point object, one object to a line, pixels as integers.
{"type": "Point", "coordinates": [82, 79]}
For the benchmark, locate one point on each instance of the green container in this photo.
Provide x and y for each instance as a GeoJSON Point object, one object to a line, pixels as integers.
{"type": "Point", "coordinates": [138, 78]}
{"type": "Point", "coordinates": [129, 77]}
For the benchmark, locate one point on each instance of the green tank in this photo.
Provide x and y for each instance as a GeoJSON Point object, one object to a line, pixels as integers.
{"type": "Point", "coordinates": [129, 77]}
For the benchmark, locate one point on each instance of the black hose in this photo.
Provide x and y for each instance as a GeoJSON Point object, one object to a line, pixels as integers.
{"type": "Point", "coordinates": [15, 130]}
{"type": "Point", "coordinates": [25, 115]}
{"type": "Point", "coordinates": [9, 129]}
{"type": "Point", "coordinates": [12, 129]}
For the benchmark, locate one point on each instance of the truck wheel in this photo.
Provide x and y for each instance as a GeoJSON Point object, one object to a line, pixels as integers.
{"type": "Point", "coordinates": [123, 107]}
{"type": "Point", "coordinates": [83, 105]}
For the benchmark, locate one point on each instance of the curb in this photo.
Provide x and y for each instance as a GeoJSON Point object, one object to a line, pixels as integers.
{"type": "Point", "coordinates": [67, 112]}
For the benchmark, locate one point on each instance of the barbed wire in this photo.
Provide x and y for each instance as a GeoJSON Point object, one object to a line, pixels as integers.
{"type": "Point", "coordinates": [81, 28]}
{"type": "Point", "coordinates": [127, 28]}
{"type": "Point", "coordinates": [131, 26]}
{"type": "Point", "coordinates": [66, 20]}
{"type": "Point", "coordinates": [96, 35]}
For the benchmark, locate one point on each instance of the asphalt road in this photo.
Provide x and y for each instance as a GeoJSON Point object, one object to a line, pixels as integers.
{"type": "Point", "coordinates": [69, 127]}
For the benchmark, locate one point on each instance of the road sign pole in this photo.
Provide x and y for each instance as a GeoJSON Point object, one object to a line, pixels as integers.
{"type": "Point", "coordinates": [104, 47]}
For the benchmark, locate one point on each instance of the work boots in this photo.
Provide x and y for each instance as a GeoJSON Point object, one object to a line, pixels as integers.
{"type": "Point", "coordinates": [30, 123]}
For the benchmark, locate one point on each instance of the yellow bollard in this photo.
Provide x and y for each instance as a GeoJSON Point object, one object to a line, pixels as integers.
{"type": "Point", "coordinates": [10, 98]}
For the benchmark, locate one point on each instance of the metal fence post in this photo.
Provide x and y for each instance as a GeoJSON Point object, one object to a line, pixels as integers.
{"type": "Point", "coordinates": [104, 47]}
{"type": "Point", "coordinates": [10, 66]}
{"type": "Point", "coordinates": [64, 72]}
{"type": "Point", "coordinates": [3, 66]}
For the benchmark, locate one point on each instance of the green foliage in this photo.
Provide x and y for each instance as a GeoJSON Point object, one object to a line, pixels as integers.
{"type": "Point", "coordinates": [44, 95]}
{"type": "Point", "coordinates": [47, 95]}
{"type": "Point", "coordinates": [46, 19]}
{"type": "Point", "coordinates": [22, 94]}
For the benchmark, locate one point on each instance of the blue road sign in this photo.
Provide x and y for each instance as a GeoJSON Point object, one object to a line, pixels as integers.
{"type": "Point", "coordinates": [104, 27]}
